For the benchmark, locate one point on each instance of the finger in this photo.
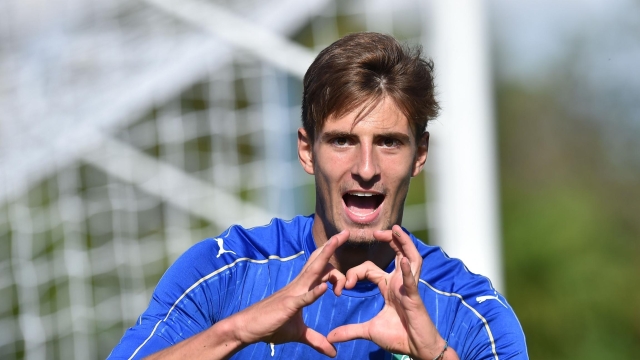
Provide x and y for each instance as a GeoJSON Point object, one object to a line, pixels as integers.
{"type": "Point", "coordinates": [310, 296]}
{"type": "Point", "coordinates": [313, 257]}
{"type": "Point", "coordinates": [365, 271]}
{"type": "Point", "coordinates": [336, 278]}
{"type": "Point", "coordinates": [388, 237]}
{"type": "Point", "coordinates": [398, 239]}
{"type": "Point", "coordinates": [383, 235]}
{"type": "Point", "coordinates": [321, 256]}
{"type": "Point", "coordinates": [318, 342]}
{"type": "Point", "coordinates": [403, 246]}
{"type": "Point", "coordinates": [408, 248]}
{"type": "Point", "coordinates": [349, 332]}
{"type": "Point", "coordinates": [332, 244]}
{"type": "Point", "coordinates": [404, 242]}
{"type": "Point", "coordinates": [315, 253]}
{"type": "Point", "coordinates": [417, 315]}
{"type": "Point", "coordinates": [408, 280]}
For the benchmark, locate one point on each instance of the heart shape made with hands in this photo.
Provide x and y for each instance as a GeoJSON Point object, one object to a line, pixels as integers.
{"type": "Point", "coordinates": [403, 326]}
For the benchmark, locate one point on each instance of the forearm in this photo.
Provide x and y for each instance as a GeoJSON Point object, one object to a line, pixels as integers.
{"type": "Point", "coordinates": [276, 319]}
{"type": "Point", "coordinates": [217, 342]}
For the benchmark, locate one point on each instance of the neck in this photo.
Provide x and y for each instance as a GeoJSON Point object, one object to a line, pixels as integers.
{"type": "Point", "coordinates": [353, 252]}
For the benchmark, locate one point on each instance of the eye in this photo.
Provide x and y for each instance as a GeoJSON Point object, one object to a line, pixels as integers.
{"type": "Point", "coordinates": [390, 142]}
{"type": "Point", "coordinates": [340, 141]}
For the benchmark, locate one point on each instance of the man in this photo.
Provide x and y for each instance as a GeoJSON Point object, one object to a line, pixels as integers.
{"type": "Point", "coordinates": [261, 293]}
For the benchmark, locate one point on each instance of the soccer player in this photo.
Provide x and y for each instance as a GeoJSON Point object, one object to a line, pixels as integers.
{"type": "Point", "coordinates": [347, 281]}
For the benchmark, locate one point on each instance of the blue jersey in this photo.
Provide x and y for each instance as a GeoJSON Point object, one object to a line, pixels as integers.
{"type": "Point", "coordinates": [222, 276]}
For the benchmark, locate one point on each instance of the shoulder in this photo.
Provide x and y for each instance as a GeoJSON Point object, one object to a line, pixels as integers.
{"type": "Point", "coordinates": [279, 237]}
{"type": "Point", "coordinates": [449, 274]}
{"type": "Point", "coordinates": [476, 309]}
{"type": "Point", "coordinates": [444, 274]}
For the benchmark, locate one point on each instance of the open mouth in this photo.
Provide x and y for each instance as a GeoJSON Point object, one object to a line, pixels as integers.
{"type": "Point", "coordinates": [362, 203]}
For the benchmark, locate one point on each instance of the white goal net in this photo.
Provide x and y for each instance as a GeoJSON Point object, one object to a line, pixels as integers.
{"type": "Point", "coordinates": [131, 130]}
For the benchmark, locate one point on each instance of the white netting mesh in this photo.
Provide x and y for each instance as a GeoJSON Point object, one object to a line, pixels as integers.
{"type": "Point", "coordinates": [131, 136]}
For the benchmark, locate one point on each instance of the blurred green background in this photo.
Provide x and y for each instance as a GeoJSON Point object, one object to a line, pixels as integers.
{"type": "Point", "coordinates": [569, 126]}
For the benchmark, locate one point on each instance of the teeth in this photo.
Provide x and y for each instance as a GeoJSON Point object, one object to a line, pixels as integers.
{"type": "Point", "coordinates": [358, 193]}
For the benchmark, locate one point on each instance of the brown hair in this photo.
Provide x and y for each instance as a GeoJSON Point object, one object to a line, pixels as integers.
{"type": "Point", "coordinates": [364, 68]}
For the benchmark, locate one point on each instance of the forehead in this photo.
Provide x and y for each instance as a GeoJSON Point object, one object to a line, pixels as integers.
{"type": "Point", "coordinates": [383, 117]}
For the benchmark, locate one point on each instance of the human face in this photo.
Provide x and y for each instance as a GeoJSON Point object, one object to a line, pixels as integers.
{"type": "Point", "coordinates": [362, 169]}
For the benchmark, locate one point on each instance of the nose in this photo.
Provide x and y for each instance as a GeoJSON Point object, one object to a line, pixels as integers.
{"type": "Point", "coordinates": [365, 166]}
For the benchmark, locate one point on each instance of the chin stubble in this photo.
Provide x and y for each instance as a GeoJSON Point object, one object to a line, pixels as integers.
{"type": "Point", "coordinates": [360, 244]}
{"type": "Point", "coordinates": [360, 240]}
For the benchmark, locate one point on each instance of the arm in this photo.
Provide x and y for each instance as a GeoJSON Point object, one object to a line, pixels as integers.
{"type": "Point", "coordinates": [403, 325]}
{"type": "Point", "coordinates": [217, 342]}
{"type": "Point", "coordinates": [276, 319]}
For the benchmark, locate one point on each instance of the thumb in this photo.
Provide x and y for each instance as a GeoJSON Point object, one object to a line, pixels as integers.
{"type": "Point", "coordinates": [318, 342]}
{"type": "Point", "coordinates": [349, 332]}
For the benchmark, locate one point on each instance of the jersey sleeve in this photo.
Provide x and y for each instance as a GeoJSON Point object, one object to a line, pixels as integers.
{"type": "Point", "coordinates": [477, 321]}
{"type": "Point", "coordinates": [497, 334]}
{"type": "Point", "coordinates": [180, 306]}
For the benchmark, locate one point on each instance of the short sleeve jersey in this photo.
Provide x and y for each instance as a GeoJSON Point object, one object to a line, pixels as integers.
{"type": "Point", "coordinates": [221, 276]}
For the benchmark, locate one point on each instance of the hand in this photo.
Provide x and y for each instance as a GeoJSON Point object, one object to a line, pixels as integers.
{"type": "Point", "coordinates": [278, 318]}
{"type": "Point", "coordinates": [403, 326]}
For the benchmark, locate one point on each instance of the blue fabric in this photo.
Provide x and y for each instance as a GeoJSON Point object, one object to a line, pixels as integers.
{"type": "Point", "coordinates": [207, 284]}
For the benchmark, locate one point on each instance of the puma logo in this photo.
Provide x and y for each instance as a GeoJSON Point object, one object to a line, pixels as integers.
{"type": "Point", "coordinates": [481, 299]}
{"type": "Point", "coordinates": [220, 242]}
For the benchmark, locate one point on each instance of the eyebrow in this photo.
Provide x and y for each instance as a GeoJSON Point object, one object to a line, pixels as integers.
{"type": "Point", "coordinates": [395, 134]}
{"type": "Point", "coordinates": [391, 134]}
{"type": "Point", "coordinates": [334, 134]}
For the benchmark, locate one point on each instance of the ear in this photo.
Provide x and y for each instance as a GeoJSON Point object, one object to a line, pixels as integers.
{"type": "Point", "coordinates": [421, 154]}
{"type": "Point", "coordinates": [305, 151]}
